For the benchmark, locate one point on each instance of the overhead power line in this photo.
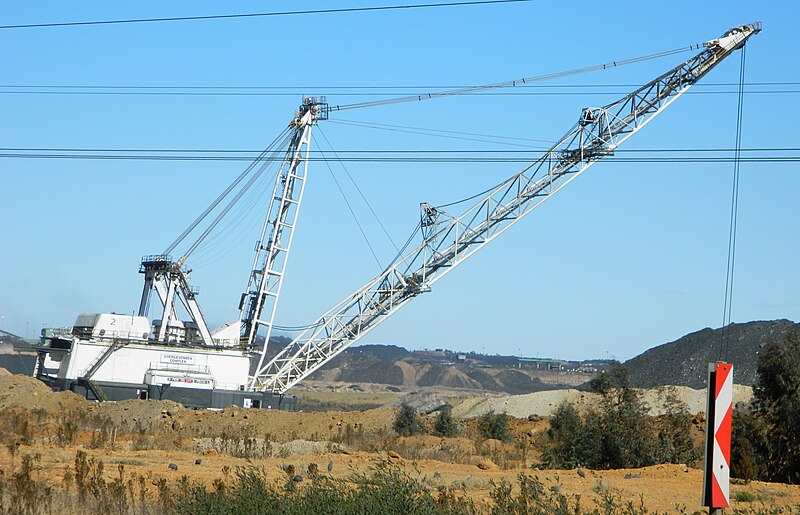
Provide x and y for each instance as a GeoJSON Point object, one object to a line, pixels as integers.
{"type": "Point", "coordinates": [260, 15]}
{"type": "Point", "coordinates": [416, 97]}
{"type": "Point", "coordinates": [389, 151]}
{"type": "Point", "coordinates": [301, 89]}
{"type": "Point", "coordinates": [401, 159]}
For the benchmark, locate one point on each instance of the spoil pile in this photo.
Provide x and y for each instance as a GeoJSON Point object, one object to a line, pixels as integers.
{"type": "Point", "coordinates": [18, 391]}
{"type": "Point", "coordinates": [544, 404]}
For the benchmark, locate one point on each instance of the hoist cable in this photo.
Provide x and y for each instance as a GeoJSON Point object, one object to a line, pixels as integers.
{"type": "Point", "coordinates": [734, 217]}
{"type": "Point", "coordinates": [512, 83]}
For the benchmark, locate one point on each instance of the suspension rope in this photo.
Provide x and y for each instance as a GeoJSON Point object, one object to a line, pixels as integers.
{"type": "Point", "coordinates": [355, 184]}
{"type": "Point", "coordinates": [513, 83]}
{"type": "Point", "coordinates": [441, 133]}
{"type": "Point", "coordinates": [728, 303]}
{"type": "Point", "coordinates": [214, 223]}
{"type": "Point", "coordinates": [352, 212]}
{"type": "Point", "coordinates": [225, 193]}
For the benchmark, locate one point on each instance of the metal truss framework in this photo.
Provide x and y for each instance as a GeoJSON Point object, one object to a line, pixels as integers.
{"type": "Point", "coordinates": [169, 279]}
{"type": "Point", "coordinates": [272, 250]}
{"type": "Point", "coordinates": [449, 240]}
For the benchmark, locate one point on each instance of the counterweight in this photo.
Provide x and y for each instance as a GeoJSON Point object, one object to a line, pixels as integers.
{"type": "Point", "coordinates": [448, 240]}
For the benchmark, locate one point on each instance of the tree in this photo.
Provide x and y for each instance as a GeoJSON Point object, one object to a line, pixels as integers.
{"type": "Point", "coordinates": [674, 432]}
{"type": "Point", "coordinates": [407, 422]}
{"type": "Point", "coordinates": [616, 377]}
{"type": "Point", "coordinates": [445, 425]}
{"type": "Point", "coordinates": [750, 445]}
{"type": "Point", "coordinates": [777, 402]}
{"type": "Point", "coordinates": [494, 425]}
{"type": "Point", "coordinates": [619, 432]}
{"type": "Point", "coordinates": [573, 440]}
{"type": "Point", "coordinates": [629, 439]}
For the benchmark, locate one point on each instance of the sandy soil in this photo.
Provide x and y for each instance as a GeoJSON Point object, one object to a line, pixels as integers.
{"type": "Point", "coordinates": [662, 488]}
{"type": "Point", "coordinates": [146, 436]}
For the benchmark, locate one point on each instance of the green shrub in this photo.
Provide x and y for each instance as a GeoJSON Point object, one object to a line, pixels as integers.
{"type": "Point", "coordinates": [618, 434]}
{"type": "Point", "coordinates": [383, 489]}
{"type": "Point", "coordinates": [445, 425]}
{"type": "Point", "coordinates": [765, 443]}
{"type": "Point", "coordinates": [494, 425]}
{"type": "Point", "coordinates": [744, 496]}
{"type": "Point", "coordinates": [407, 422]}
{"type": "Point", "coordinates": [674, 433]}
{"type": "Point", "coordinates": [573, 440]}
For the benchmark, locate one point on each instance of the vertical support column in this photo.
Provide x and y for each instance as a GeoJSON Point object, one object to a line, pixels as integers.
{"type": "Point", "coordinates": [169, 307]}
{"type": "Point", "coordinates": [716, 479]}
{"type": "Point", "coordinates": [145, 300]}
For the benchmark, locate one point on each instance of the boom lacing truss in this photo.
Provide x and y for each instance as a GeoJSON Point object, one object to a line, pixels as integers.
{"type": "Point", "coordinates": [449, 240]}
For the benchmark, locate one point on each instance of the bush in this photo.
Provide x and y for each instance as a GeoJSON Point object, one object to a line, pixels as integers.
{"type": "Point", "coordinates": [766, 440]}
{"type": "Point", "coordinates": [385, 489]}
{"type": "Point", "coordinates": [618, 434]}
{"type": "Point", "coordinates": [573, 440]}
{"type": "Point", "coordinates": [407, 422]}
{"type": "Point", "coordinates": [494, 425]}
{"type": "Point", "coordinates": [445, 425]}
{"type": "Point", "coordinates": [674, 433]}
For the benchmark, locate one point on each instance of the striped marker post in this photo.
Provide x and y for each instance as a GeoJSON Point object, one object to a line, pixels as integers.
{"type": "Point", "coordinates": [716, 480]}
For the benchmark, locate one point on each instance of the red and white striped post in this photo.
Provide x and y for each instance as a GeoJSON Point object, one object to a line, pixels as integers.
{"type": "Point", "coordinates": [716, 480]}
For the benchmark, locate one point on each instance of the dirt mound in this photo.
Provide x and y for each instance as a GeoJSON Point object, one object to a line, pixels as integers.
{"type": "Point", "coordinates": [276, 426]}
{"type": "Point", "coordinates": [135, 415]}
{"type": "Point", "coordinates": [685, 361]}
{"type": "Point", "coordinates": [18, 391]}
{"type": "Point", "coordinates": [695, 400]}
{"type": "Point", "coordinates": [422, 402]}
{"type": "Point", "coordinates": [522, 406]}
{"type": "Point", "coordinates": [545, 403]}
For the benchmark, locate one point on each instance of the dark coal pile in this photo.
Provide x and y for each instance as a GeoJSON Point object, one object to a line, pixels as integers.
{"type": "Point", "coordinates": [684, 362]}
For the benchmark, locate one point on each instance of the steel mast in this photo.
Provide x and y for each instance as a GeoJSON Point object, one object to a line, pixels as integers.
{"type": "Point", "coordinates": [272, 248]}
{"type": "Point", "coordinates": [449, 240]}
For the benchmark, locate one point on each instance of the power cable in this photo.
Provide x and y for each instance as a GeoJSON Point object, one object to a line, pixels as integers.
{"type": "Point", "coordinates": [261, 15]}
{"type": "Point", "coordinates": [418, 160]}
{"type": "Point", "coordinates": [301, 90]}
{"type": "Point", "coordinates": [421, 97]}
{"type": "Point", "coordinates": [384, 151]}
{"type": "Point", "coordinates": [734, 217]}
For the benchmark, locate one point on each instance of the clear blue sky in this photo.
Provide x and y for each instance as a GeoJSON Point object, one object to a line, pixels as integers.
{"type": "Point", "coordinates": [626, 257]}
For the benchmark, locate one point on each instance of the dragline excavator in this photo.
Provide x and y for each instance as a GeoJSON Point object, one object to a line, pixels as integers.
{"type": "Point", "coordinates": [447, 239]}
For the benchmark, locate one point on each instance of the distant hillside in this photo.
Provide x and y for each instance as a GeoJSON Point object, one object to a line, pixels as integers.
{"type": "Point", "coordinates": [396, 366]}
{"type": "Point", "coordinates": [684, 362]}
